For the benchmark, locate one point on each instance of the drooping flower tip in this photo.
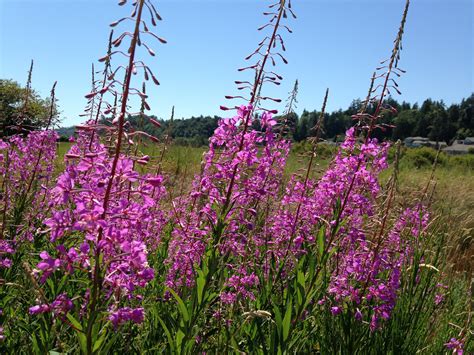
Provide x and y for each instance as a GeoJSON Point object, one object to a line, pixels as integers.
{"type": "Point", "coordinates": [155, 181]}
{"type": "Point", "coordinates": [72, 156]}
{"type": "Point", "coordinates": [39, 309]}
{"type": "Point", "coordinates": [155, 122]}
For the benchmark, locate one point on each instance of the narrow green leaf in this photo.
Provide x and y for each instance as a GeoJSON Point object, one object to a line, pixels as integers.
{"type": "Point", "coordinates": [168, 334]}
{"type": "Point", "coordinates": [100, 341]}
{"type": "Point", "coordinates": [200, 282]}
{"type": "Point", "coordinates": [182, 307]}
{"type": "Point", "coordinates": [278, 320]}
{"type": "Point", "coordinates": [179, 339]}
{"type": "Point", "coordinates": [81, 337]}
{"type": "Point", "coordinates": [74, 321]}
{"type": "Point", "coordinates": [321, 237]}
{"type": "Point", "coordinates": [287, 321]}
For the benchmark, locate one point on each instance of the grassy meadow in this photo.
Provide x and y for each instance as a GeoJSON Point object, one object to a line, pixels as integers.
{"type": "Point", "coordinates": [450, 181]}
{"type": "Point", "coordinates": [119, 243]}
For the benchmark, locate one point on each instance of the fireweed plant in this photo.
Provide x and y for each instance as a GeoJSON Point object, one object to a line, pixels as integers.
{"type": "Point", "coordinates": [102, 257]}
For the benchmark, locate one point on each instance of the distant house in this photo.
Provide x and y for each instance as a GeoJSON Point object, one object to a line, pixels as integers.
{"type": "Point", "coordinates": [460, 146]}
{"type": "Point", "coordinates": [469, 141]}
{"type": "Point", "coordinates": [415, 142]}
{"type": "Point", "coordinates": [438, 145]}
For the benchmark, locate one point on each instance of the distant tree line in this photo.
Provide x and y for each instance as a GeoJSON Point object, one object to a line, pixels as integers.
{"type": "Point", "coordinates": [193, 131]}
{"type": "Point", "coordinates": [433, 119]}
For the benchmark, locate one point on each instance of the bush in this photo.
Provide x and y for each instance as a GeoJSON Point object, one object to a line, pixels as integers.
{"type": "Point", "coordinates": [423, 157]}
{"type": "Point", "coordinates": [323, 150]}
{"type": "Point", "coordinates": [463, 161]}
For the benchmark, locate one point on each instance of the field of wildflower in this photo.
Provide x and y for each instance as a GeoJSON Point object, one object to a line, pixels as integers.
{"type": "Point", "coordinates": [122, 242]}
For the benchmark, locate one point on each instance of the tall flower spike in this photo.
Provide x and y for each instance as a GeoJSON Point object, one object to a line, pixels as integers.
{"type": "Point", "coordinates": [286, 124]}
{"type": "Point", "coordinates": [235, 174]}
{"type": "Point", "coordinates": [117, 164]}
{"type": "Point", "coordinates": [24, 109]}
{"type": "Point", "coordinates": [261, 76]}
{"type": "Point", "coordinates": [52, 107]}
{"type": "Point", "coordinates": [267, 50]}
{"type": "Point", "coordinates": [133, 66]}
{"type": "Point", "coordinates": [95, 109]}
{"type": "Point", "coordinates": [369, 265]}
{"type": "Point", "coordinates": [378, 101]}
{"type": "Point", "coordinates": [110, 208]}
{"type": "Point", "coordinates": [89, 110]}
{"type": "Point", "coordinates": [378, 91]}
{"type": "Point", "coordinates": [289, 232]}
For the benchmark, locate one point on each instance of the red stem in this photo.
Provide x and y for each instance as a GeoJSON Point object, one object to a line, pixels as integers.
{"type": "Point", "coordinates": [128, 76]}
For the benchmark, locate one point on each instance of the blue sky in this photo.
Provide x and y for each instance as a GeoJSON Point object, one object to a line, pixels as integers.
{"type": "Point", "coordinates": [335, 44]}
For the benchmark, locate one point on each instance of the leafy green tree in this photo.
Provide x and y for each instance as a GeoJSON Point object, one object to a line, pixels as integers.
{"type": "Point", "coordinates": [405, 124]}
{"type": "Point", "coordinates": [302, 127]}
{"type": "Point", "coordinates": [466, 117]}
{"type": "Point", "coordinates": [440, 127]}
{"type": "Point", "coordinates": [432, 119]}
{"type": "Point", "coordinates": [21, 106]}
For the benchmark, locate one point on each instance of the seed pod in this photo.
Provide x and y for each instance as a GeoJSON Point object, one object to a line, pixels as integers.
{"type": "Point", "coordinates": [155, 122]}
{"type": "Point", "coordinates": [155, 80]}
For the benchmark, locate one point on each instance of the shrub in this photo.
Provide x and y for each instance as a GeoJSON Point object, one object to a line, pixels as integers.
{"type": "Point", "coordinates": [423, 157]}
{"type": "Point", "coordinates": [464, 161]}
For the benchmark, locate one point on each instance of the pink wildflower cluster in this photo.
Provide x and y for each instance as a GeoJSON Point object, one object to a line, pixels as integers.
{"type": "Point", "coordinates": [368, 271]}
{"type": "Point", "coordinates": [456, 346]}
{"type": "Point", "coordinates": [26, 165]}
{"type": "Point", "coordinates": [308, 204]}
{"type": "Point", "coordinates": [122, 234]}
{"type": "Point", "coordinates": [59, 307]}
{"type": "Point", "coordinates": [441, 294]}
{"type": "Point", "coordinates": [6, 250]}
{"type": "Point", "coordinates": [241, 172]}
{"type": "Point", "coordinates": [26, 168]}
{"type": "Point", "coordinates": [126, 314]}
{"type": "Point", "coordinates": [239, 285]}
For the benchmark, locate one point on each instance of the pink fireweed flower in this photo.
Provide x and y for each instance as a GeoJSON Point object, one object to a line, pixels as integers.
{"type": "Point", "coordinates": [124, 315]}
{"type": "Point", "coordinates": [61, 305]}
{"type": "Point", "coordinates": [239, 285]}
{"type": "Point", "coordinates": [242, 169]}
{"type": "Point", "coordinates": [47, 266]}
{"type": "Point", "coordinates": [364, 275]}
{"type": "Point", "coordinates": [6, 250]}
{"type": "Point", "coordinates": [131, 225]}
{"type": "Point", "coordinates": [457, 346]}
{"type": "Point", "coordinates": [26, 174]}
